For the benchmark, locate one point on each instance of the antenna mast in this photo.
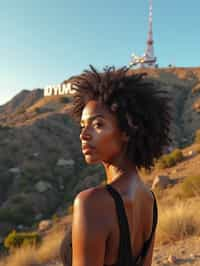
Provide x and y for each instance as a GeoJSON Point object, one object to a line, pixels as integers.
{"type": "Point", "coordinates": [148, 59]}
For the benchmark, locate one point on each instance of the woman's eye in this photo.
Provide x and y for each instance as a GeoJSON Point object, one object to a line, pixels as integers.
{"type": "Point", "coordinates": [97, 125]}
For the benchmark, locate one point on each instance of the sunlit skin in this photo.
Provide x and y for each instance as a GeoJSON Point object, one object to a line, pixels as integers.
{"type": "Point", "coordinates": [95, 229]}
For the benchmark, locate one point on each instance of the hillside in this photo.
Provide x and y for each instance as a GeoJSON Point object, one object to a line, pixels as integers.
{"type": "Point", "coordinates": [41, 166]}
{"type": "Point", "coordinates": [178, 233]}
{"type": "Point", "coordinates": [183, 84]}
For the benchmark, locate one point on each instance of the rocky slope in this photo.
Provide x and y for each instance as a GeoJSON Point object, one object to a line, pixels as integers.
{"type": "Point", "coordinates": [183, 84]}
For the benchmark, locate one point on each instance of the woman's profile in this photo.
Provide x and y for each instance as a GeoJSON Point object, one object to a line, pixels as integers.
{"type": "Point", "coordinates": [124, 122]}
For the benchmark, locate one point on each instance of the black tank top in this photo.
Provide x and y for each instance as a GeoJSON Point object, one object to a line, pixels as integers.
{"type": "Point", "coordinates": [125, 257]}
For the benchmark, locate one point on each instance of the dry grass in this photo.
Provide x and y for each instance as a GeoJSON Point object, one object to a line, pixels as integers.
{"type": "Point", "coordinates": [179, 220]}
{"type": "Point", "coordinates": [32, 256]}
{"type": "Point", "coordinates": [49, 250]}
{"type": "Point", "coordinates": [22, 257]}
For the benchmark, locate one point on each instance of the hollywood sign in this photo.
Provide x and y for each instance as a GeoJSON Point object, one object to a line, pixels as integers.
{"type": "Point", "coordinates": [60, 89]}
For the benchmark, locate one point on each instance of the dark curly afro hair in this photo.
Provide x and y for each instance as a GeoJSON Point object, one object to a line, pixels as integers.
{"type": "Point", "coordinates": [142, 108]}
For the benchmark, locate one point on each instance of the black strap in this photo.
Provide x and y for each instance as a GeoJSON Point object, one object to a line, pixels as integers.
{"type": "Point", "coordinates": [125, 243]}
{"type": "Point", "coordinates": [125, 252]}
{"type": "Point", "coordinates": [155, 221]}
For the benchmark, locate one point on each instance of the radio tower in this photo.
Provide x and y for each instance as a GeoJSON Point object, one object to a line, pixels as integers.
{"type": "Point", "coordinates": [148, 59]}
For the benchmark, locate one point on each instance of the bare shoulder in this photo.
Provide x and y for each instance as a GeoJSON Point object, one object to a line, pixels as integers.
{"type": "Point", "coordinates": [89, 230]}
{"type": "Point", "coordinates": [91, 196]}
{"type": "Point", "coordinates": [92, 202]}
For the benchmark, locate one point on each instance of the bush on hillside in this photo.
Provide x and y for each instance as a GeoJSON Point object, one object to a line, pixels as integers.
{"type": "Point", "coordinates": [191, 186]}
{"type": "Point", "coordinates": [38, 110]}
{"type": "Point", "coordinates": [17, 214]}
{"type": "Point", "coordinates": [64, 99]}
{"type": "Point", "coordinates": [177, 155]}
{"type": "Point", "coordinates": [169, 160]}
{"type": "Point", "coordinates": [16, 240]}
{"type": "Point", "coordinates": [6, 161]}
{"type": "Point", "coordinates": [70, 210]}
{"type": "Point", "coordinates": [197, 136]}
{"type": "Point", "coordinates": [4, 127]}
{"type": "Point", "coordinates": [165, 161]}
{"type": "Point", "coordinates": [145, 171]}
{"type": "Point", "coordinates": [6, 179]}
{"type": "Point", "coordinates": [21, 110]}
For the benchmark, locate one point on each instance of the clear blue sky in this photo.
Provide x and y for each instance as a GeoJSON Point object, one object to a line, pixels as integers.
{"type": "Point", "coordinates": [44, 41]}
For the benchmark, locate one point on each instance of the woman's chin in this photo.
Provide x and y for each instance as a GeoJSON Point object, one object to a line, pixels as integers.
{"type": "Point", "coordinates": [91, 160]}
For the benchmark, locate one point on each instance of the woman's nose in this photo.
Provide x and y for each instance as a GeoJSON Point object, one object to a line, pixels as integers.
{"type": "Point", "coordinates": [85, 134]}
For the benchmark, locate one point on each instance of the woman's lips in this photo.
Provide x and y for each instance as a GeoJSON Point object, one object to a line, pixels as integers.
{"type": "Point", "coordinates": [87, 149]}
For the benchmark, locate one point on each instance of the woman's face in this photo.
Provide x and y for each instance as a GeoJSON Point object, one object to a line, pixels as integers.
{"type": "Point", "coordinates": [101, 138]}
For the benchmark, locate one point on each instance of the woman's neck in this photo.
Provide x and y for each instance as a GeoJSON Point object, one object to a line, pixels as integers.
{"type": "Point", "coordinates": [120, 169]}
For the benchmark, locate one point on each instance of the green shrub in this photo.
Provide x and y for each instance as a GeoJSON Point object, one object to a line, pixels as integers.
{"type": "Point", "coordinates": [177, 155]}
{"type": "Point", "coordinates": [37, 110]}
{"type": "Point", "coordinates": [16, 240]}
{"type": "Point", "coordinates": [64, 99]}
{"type": "Point", "coordinates": [6, 179]}
{"type": "Point", "coordinates": [197, 136]}
{"type": "Point", "coordinates": [70, 210]}
{"type": "Point", "coordinates": [7, 162]}
{"type": "Point", "coordinates": [55, 218]}
{"type": "Point", "coordinates": [169, 160]}
{"type": "Point", "coordinates": [165, 161]}
{"type": "Point", "coordinates": [191, 186]}
{"type": "Point", "coordinates": [4, 127]}
{"type": "Point", "coordinates": [18, 214]}
{"type": "Point", "coordinates": [21, 110]}
{"type": "Point", "coordinates": [5, 215]}
{"type": "Point", "coordinates": [145, 171]}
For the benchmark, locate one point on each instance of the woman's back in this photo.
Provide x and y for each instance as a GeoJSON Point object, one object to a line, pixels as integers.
{"type": "Point", "coordinates": [138, 208]}
{"type": "Point", "coordinates": [131, 214]}
{"type": "Point", "coordinates": [130, 241]}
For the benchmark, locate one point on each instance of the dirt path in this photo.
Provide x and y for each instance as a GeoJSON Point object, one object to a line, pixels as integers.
{"type": "Point", "coordinates": [184, 253]}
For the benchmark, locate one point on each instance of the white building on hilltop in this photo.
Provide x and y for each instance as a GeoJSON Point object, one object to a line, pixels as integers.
{"type": "Point", "coordinates": [148, 59]}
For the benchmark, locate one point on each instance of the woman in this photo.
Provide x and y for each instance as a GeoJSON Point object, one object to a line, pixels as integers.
{"type": "Point", "coordinates": [124, 126]}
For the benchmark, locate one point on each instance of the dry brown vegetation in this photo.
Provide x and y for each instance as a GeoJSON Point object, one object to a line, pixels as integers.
{"type": "Point", "coordinates": [48, 251]}
{"type": "Point", "coordinates": [32, 256]}
{"type": "Point", "coordinates": [178, 221]}
{"type": "Point", "coordinates": [179, 209]}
